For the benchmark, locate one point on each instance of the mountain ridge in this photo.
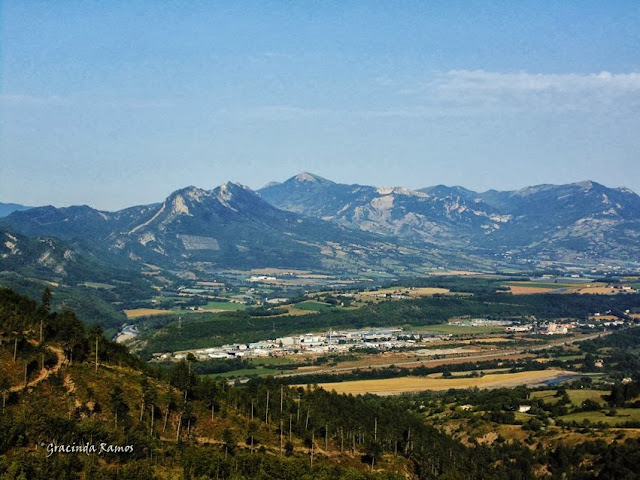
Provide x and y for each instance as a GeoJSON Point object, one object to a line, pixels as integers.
{"type": "Point", "coordinates": [550, 222]}
{"type": "Point", "coordinates": [308, 221]}
{"type": "Point", "coordinates": [228, 226]}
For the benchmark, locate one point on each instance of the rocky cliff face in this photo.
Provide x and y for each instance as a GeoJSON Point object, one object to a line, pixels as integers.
{"type": "Point", "coordinates": [575, 222]}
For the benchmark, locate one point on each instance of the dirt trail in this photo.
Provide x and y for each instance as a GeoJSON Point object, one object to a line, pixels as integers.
{"type": "Point", "coordinates": [44, 372]}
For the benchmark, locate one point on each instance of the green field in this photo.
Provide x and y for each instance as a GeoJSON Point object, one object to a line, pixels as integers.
{"type": "Point", "coordinates": [314, 306]}
{"type": "Point", "coordinates": [104, 286]}
{"type": "Point", "coordinates": [548, 396]}
{"type": "Point", "coordinates": [245, 372]}
{"type": "Point", "coordinates": [272, 361]}
{"type": "Point", "coordinates": [523, 417]}
{"type": "Point", "coordinates": [458, 330]}
{"type": "Point", "coordinates": [576, 396]}
{"type": "Point", "coordinates": [224, 306]}
{"type": "Point", "coordinates": [564, 358]}
{"type": "Point", "coordinates": [579, 396]}
{"type": "Point", "coordinates": [622, 415]}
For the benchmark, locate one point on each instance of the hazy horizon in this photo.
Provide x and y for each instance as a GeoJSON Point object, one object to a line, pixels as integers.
{"type": "Point", "coordinates": [118, 104]}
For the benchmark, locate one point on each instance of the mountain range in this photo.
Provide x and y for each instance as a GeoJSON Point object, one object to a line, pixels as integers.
{"type": "Point", "coordinates": [581, 222]}
{"type": "Point", "coordinates": [7, 208]}
{"type": "Point", "coordinates": [227, 227]}
{"type": "Point", "coordinates": [313, 223]}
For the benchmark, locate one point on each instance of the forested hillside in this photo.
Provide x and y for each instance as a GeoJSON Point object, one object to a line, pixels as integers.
{"type": "Point", "coordinates": [65, 385]}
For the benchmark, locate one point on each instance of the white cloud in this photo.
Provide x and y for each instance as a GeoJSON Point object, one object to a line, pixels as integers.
{"type": "Point", "coordinates": [16, 99]}
{"type": "Point", "coordinates": [467, 93]}
{"type": "Point", "coordinates": [292, 112]}
{"type": "Point", "coordinates": [26, 100]}
{"type": "Point", "coordinates": [522, 90]}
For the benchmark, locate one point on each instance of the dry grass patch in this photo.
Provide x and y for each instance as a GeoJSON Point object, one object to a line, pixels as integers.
{"type": "Point", "coordinates": [392, 386]}
{"type": "Point", "coordinates": [144, 312]}
{"type": "Point", "coordinates": [404, 291]}
{"type": "Point", "coordinates": [520, 290]}
{"type": "Point", "coordinates": [597, 290]}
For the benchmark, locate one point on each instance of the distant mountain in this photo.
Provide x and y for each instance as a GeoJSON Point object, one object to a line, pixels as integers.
{"type": "Point", "coordinates": [7, 208]}
{"type": "Point", "coordinates": [313, 223]}
{"type": "Point", "coordinates": [48, 258]}
{"type": "Point", "coordinates": [229, 226]}
{"type": "Point", "coordinates": [437, 219]}
{"type": "Point", "coordinates": [582, 220]}
{"type": "Point", "coordinates": [579, 222]}
{"type": "Point", "coordinates": [390, 211]}
{"type": "Point", "coordinates": [77, 222]}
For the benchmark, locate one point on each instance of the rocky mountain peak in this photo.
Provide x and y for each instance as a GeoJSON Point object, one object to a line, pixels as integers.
{"type": "Point", "coordinates": [306, 177]}
{"type": "Point", "coordinates": [400, 191]}
{"type": "Point", "coordinates": [586, 185]}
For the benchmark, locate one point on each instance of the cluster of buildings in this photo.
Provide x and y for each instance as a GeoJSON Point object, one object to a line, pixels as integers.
{"type": "Point", "coordinates": [320, 343]}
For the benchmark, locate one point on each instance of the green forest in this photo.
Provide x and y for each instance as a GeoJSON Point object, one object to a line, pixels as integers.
{"type": "Point", "coordinates": [57, 388]}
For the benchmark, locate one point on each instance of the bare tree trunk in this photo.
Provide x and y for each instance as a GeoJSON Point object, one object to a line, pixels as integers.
{"type": "Point", "coordinates": [166, 419]}
{"type": "Point", "coordinates": [326, 437]}
{"type": "Point", "coordinates": [266, 413]}
{"type": "Point", "coordinates": [142, 410]}
{"type": "Point", "coordinates": [15, 349]}
{"type": "Point", "coordinates": [153, 414]}
{"type": "Point", "coordinates": [179, 427]}
{"type": "Point", "coordinates": [375, 429]}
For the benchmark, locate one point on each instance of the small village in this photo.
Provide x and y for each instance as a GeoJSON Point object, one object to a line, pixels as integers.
{"type": "Point", "coordinates": [383, 339]}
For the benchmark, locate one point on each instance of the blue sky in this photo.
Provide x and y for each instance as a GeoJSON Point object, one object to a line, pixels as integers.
{"type": "Point", "coordinates": [115, 103]}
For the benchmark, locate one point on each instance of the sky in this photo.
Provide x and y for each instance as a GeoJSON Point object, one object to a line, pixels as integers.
{"type": "Point", "coordinates": [119, 103]}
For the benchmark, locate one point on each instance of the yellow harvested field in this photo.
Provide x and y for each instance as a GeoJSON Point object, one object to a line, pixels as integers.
{"type": "Point", "coordinates": [518, 290]}
{"type": "Point", "coordinates": [144, 312]}
{"type": "Point", "coordinates": [597, 290]}
{"type": "Point", "coordinates": [394, 386]}
{"type": "Point", "coordinates": [407, 292]}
